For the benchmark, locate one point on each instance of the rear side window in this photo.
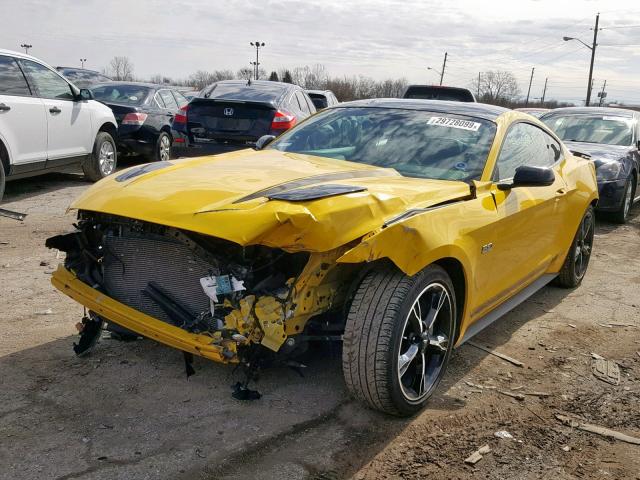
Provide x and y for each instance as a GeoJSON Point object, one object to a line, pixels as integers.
{"type": "Point", "coordinates": [302, 103]}
{"type": "Point", "coordinates": [168, 99]}
{"type": "Point", "coordinates": [181, 99]}
{"type": "Point", "coordinates": [527, 145]}
{"type": "Point", "coordinates": [12, 81]}
{"type": "Point", "coordinates": [48, 83]}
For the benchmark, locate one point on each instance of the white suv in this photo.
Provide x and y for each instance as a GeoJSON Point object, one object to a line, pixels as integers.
{"type": "Point", "coordinates": [47, 123]}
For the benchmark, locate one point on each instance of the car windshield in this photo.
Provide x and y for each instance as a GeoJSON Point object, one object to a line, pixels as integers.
{"type": "Point", "coordinates": [83, 77]}
{"type": "Point", "coordinates": [591, 128]}
{"type": "Point", "coordinates": [415, 143]}
{"type": "Point", "coordinates": [126, 94]}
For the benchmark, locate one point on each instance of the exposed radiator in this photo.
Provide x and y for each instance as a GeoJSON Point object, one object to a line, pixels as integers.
{"type": "Point", "coordinates": [131, 262]}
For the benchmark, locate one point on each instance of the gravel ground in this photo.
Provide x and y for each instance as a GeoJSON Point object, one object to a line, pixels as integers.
{"type": "Point", "coordinates": [128, 411]}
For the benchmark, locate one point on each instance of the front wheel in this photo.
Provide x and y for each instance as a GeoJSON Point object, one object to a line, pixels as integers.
{"type": "Point", "coordinates": [103, 159]}
{"type": "Point", "coordinates": [398, 338]}
{"type": "Point", "coordinates": [621, 215]}
{"type": "Point", "coordinates": [577, 261]}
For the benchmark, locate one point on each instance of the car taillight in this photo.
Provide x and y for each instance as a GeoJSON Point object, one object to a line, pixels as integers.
{"type": "Point", "coordinates": [282, 121]}
{"type": "Point", "coordinates": [182, 116]}
{"type": "Point", "coordinates": [134, 118]}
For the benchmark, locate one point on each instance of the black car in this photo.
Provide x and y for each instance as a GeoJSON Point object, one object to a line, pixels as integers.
{"type": "Point", "coordinates": [611, 136]}
{"type": "Point", "coordinates": [233, 114]}
{"type": "Point", "coordinates": [438, 92]}
{"type": "Point", "coordinates": [81, 77]}
{"type": "Point", "coordinates": [322, 98]}
{"type": "Point", "coordinates": [144, 113]}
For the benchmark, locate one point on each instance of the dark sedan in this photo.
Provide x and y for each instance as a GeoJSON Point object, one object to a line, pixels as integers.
{"type": "Point", "coordinates": [611, 136]}
{"type": "Point", "coordinates": [144, 113]}
{"type": "Point", "coordinates": [234, 114]}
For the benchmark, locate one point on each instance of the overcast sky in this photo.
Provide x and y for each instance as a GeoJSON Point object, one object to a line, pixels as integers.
{"type": "Point", "coordinates": [376, 38]}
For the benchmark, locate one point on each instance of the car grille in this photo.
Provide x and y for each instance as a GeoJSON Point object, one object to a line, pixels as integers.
{"type": "Point", "coordinates": [131, 262]}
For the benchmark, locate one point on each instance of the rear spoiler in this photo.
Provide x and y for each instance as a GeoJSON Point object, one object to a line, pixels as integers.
{"type": "Point", "coordinates": [203, 100]}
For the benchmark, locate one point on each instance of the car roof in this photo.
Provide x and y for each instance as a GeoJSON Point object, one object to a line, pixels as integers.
{"type": "Point", "coordinates": [598, 110]}
{"type": "Point", "coordinates": [318, 92]}
{"type": "Point", "coordinates": [471, 109]}
{"type": "Point", "coordinates": [272, 92]}
{"type": "Point", "coordinates": [138, 84]}
{"type": "Point", "coordinates": [13, 53]}
{"type": "Point", "coordinates": [80, 70]}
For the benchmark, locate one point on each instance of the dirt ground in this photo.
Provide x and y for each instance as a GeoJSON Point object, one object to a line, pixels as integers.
{"type": "Point", "coordinates": [129, 412]}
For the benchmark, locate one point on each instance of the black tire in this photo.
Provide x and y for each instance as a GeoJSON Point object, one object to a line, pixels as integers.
{"type": "Point", "coordinates": [160, 152]}
{"type": "Point", "coordinates": [376, 333]}
{"type": "Point", "coordinates": [104, 147]}
{"type": "Point", "coordinates": [3, 180]}
{"type": "Point", "coordinates": [577, 261]}
{"type": "Point", "coordinates": [627, 201]}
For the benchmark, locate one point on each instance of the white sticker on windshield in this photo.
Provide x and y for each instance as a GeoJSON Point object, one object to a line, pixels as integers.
{"type": "Point", "coordinates": [454, 123]}
{"type": "Point", "coordinates": [616, 119]}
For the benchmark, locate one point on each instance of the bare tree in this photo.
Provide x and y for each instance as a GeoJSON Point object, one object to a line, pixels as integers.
{"type": "Point", "coordinates": [202, 78]}
{"type": "Point", "coordinates": [497, 87]}
{"type": "Point", "coordinates": [120, 68]}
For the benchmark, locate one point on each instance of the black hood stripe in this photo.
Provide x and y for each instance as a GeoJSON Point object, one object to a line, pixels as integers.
{"type": "Point", "coordinates": [327, 177]}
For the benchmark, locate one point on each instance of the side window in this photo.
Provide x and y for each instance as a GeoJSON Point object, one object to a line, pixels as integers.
{"type": "Point", "coordinates": [159, 102]}
{"type": "Point", "coordinates": [302, 103]}
{"type": "Point", "coordinates": [12, 81]}
{"type": "Point", "coordinates": [525, 144]}
{"type": "Point", "coordinates": [181, 99]}
{"type": "Point", "coordinates": [168, 99]}
{"type": "Point", "coordinates": [292, 104]}
{"type": "Point", "coordinates": [48, 83]}
{"type": "Point", "coordinates": [312, 107]}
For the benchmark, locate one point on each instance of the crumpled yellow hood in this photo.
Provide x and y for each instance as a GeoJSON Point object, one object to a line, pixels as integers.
{"type": "Point", "coordinates": [207, 195]}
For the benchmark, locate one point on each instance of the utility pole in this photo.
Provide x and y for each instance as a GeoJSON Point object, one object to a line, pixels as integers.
{"type": "Point", "coordinates": [593, 56]}
{"type": "Point", "coordinates": [82, 60]}
{"type": "Point", "coordinates": [444, 65]}
{"type": "Point", "coordinates": [26, 47]}
{"type": "Point", "coordinates": [479, 84]}
{"type": "Point", "coordinates": [526, 102]}
{"type": "Point", "coordinates": [602, 93]}
{"type": "Point", "coordinates": [544, 92]}
{"type": "Point", "coordinates": [258, 45]}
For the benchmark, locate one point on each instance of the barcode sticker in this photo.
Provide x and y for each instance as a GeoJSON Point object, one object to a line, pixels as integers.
{"type": "Point", "coordinates": [454, 123]}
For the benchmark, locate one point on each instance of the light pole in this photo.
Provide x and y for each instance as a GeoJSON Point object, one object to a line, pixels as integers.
{"type": "Point", "coordinates": [593, 55]}
{"type": "Point", "coordinates": [256, 64]}
{"type": "Point", "coordinates": [26, 47]}
{"type": "Point", "coordinates": [82, 60]}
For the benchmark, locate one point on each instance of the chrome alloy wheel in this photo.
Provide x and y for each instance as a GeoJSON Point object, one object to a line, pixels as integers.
{"type": "Point", "coordinates": [628, 198]}
{"type": "Point", "coordinates": [165, 148]}
{"type": "Point", "coordinates": [107, 158]}
{"type": "Point", "coordinates": [584, 245]}
{"type": "Point", "coordinates": [427, 331]}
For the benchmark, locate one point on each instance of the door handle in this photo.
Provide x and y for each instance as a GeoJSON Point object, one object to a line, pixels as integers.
{"type": "Point", "coordinates": [4, 108]}
{"type": "Point", "coordinates": [560, 192]}
{"type": "Point", "coordinates": [55, 110]}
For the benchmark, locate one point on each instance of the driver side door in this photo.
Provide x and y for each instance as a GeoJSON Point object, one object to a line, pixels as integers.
{"type": "Point", "coordinates": [528, 218]}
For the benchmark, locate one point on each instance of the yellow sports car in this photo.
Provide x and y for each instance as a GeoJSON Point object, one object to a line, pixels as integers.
{"type": "Point", "coordinates": [399, 227]}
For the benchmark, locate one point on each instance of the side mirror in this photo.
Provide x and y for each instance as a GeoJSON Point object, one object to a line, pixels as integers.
{"type": "Point", "coordinates": [527, 176]}
{"type": "Point", "coordinates": [85, 94]}
{"type": "Point", "coordinates": [263, 141]}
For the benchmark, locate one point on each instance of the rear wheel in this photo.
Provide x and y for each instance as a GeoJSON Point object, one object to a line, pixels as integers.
{"type": "Point", "coordinates": [577, 261]}
{"type": "Point", "coordinates": [162, 150]}
{"type": "Point", "coordinates": [398, 338]}
{"type": "Point", "coordinates": [103, 159]}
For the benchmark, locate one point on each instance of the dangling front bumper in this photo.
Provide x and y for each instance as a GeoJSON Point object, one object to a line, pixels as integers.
{"type": "Point", "coordinates": [145, 325]}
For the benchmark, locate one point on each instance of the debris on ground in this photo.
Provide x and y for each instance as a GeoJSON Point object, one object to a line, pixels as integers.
{"type": "Point", "coordinates": [606, 370]}
{"type": "Point", "coordinates": [476, 456]}
{"type": "Point", "coordinates": [566, 448]}
{"type": "Point", "coordinates": [603, 431]}
{"type": "Point", "coordinates": [571, 325]}
{"type": "Point", "coordinates": [11, 214]}
{"type": "Point", "coordinates": [503, 434]}
{"type": "Point", "coordinates": [517, 396]}
{"type": "Point", "coordinates": [48, 311]}
{"type": "Point", "coordinates": [504, 357]}
{"type": "Point", "coordinates": [538, 394]}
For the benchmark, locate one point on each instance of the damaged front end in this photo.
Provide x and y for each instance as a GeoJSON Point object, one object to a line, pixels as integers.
{"type": "Point", "coordinates": [200, 294]}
